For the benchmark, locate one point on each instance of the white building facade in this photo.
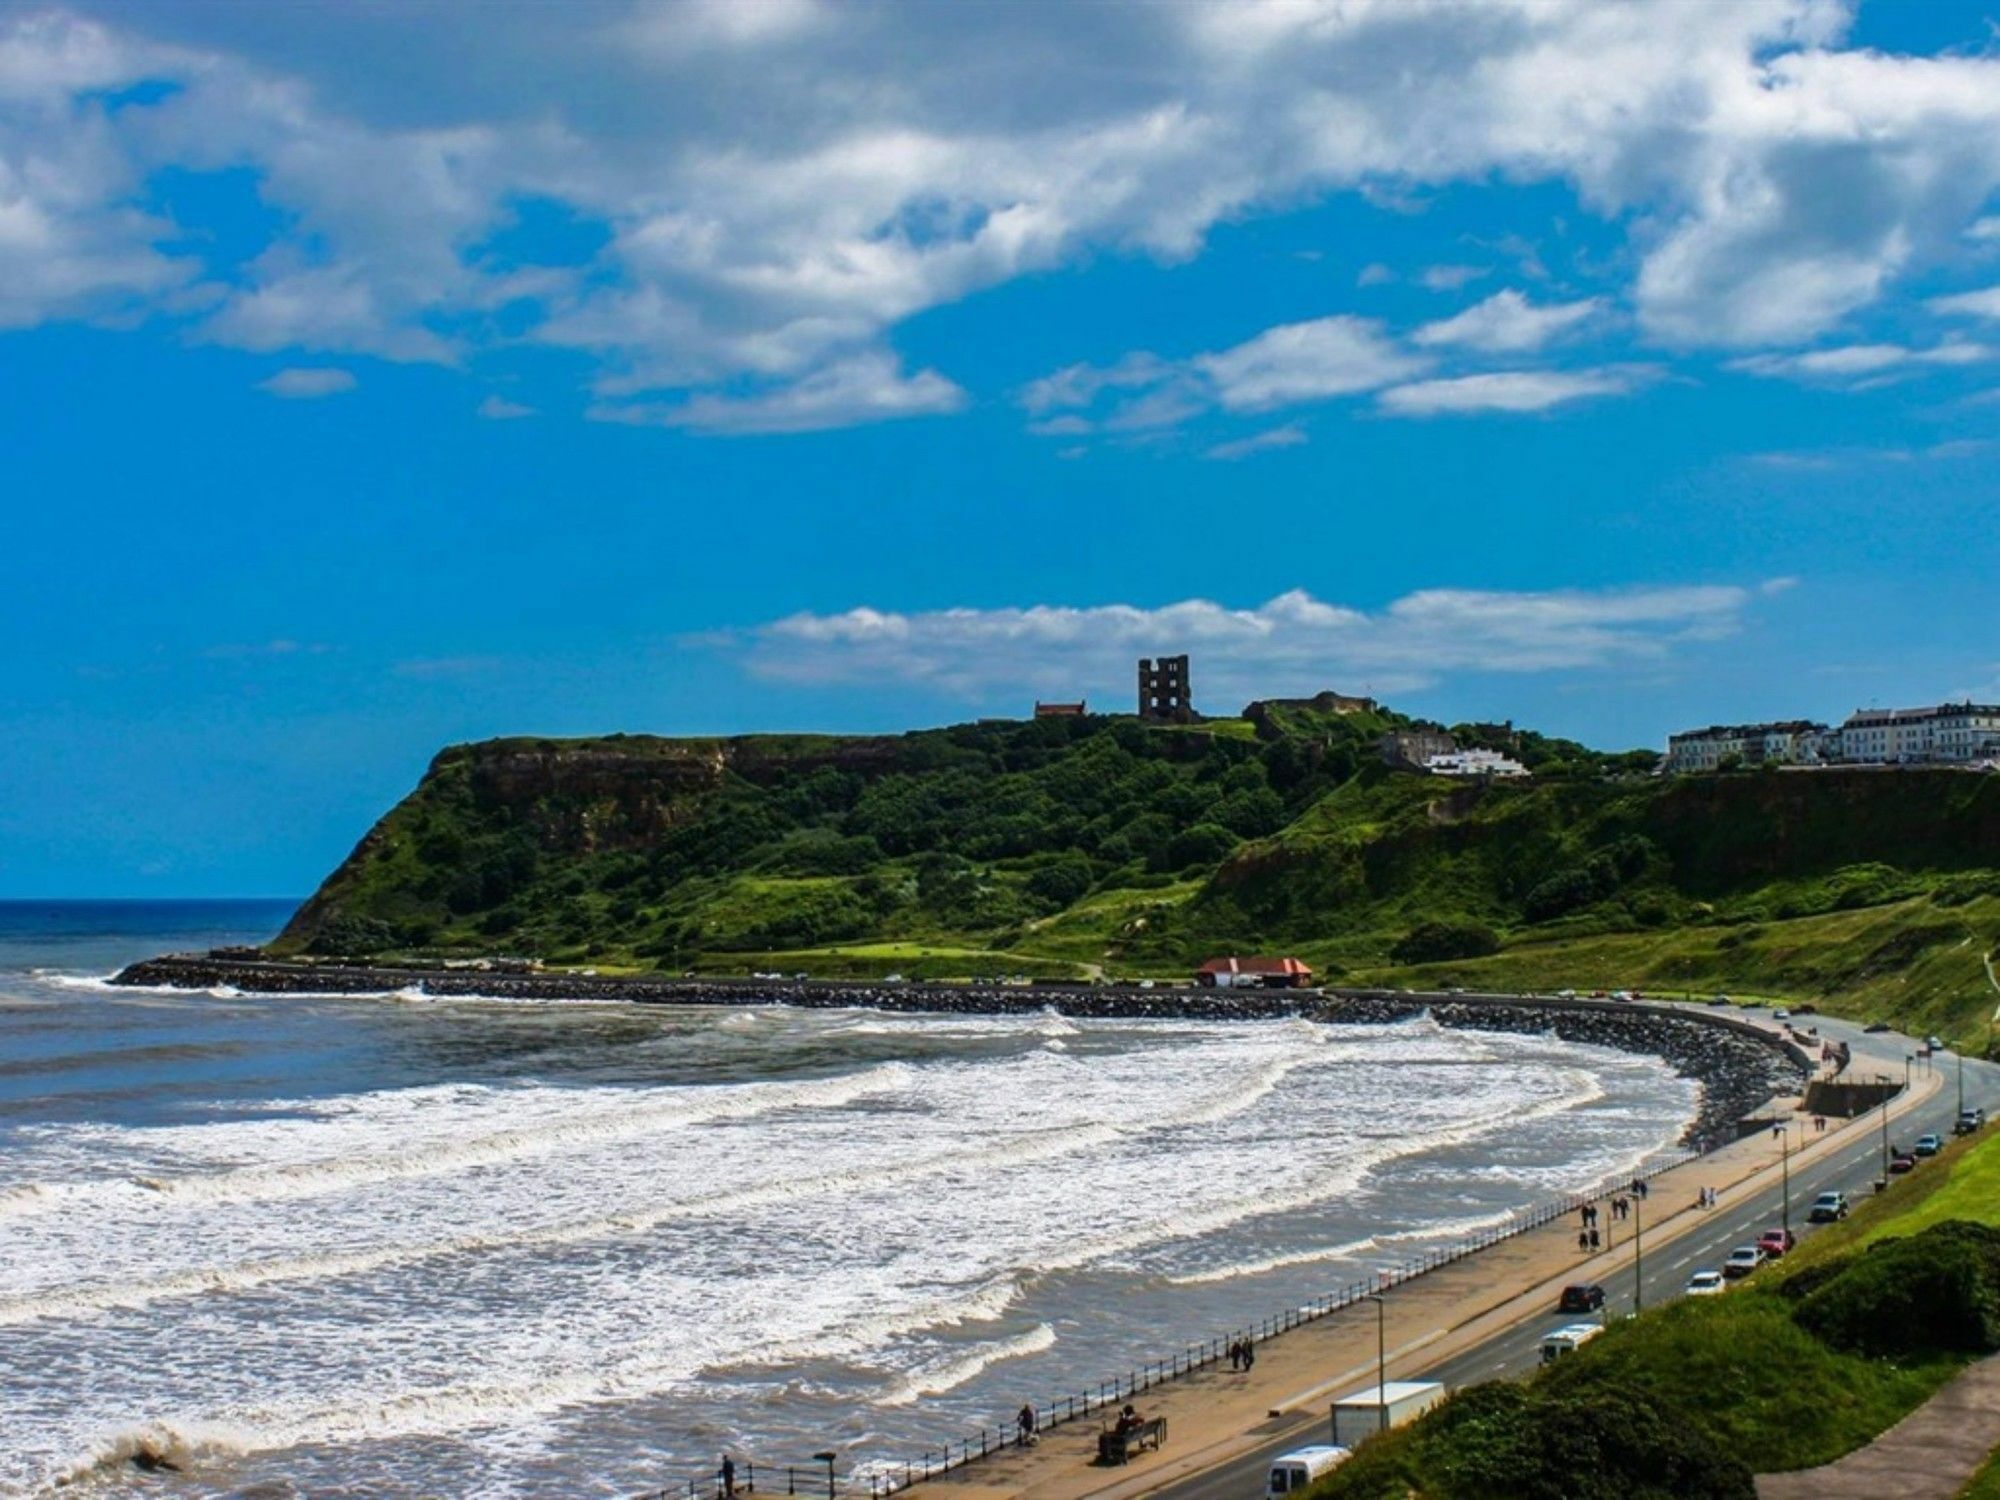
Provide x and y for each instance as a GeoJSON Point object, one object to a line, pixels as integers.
{"type": "Point", "coordinates": [1474, 763]}
{"type": "Point", "coordinates": [1947, 734]}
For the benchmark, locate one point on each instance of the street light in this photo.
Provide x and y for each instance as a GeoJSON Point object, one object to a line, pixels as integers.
{"type": "Point", "coordinates": [1886, 1096]}
{"type": "Point", "coordinates": [1638, 1255]}
{"type": "Point", "coordinates": [1381, 1363]}
{"type": "Point", "coordinates": [827, 1459]}
{"type": "Point", "coordinates": [1783, 1130]}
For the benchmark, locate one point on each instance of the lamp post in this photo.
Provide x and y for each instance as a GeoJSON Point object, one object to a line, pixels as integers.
{"type": "Point", "coordinates": [1885, 1132]}
{"type": "Point", "coordinates": [827, 1459]}
{"type": "Point", "coordinates": [1784, 1130]}
{"type": "Point", "coordinates": [1638, 1255]}
{"type": "Point", "coordinates": [1381, 1363]}
{"type": "Point", "coordinates": [1961, 1085]}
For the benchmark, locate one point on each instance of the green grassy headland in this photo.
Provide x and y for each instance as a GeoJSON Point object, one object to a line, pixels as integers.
{"type": "Point", "coordinates": [1072, 847]}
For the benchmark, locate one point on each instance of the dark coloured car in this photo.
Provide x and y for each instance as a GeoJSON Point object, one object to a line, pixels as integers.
{"type": "Point", "coordinates": [1875, 1027]}
{"type": "Point", "coordinates": [1902, 1164]}
{"type": "Point", "coordinates": [1581, 1298]}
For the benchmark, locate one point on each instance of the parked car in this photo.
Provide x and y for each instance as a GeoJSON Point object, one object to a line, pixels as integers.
{"type": "Point", "coordinates": [1934, 1044]}
{"type": "Point", "coordinates": [1781, 1014]}
{"type": "Point", "coordinates": [1742, 1261]}
{"type": "Point", "coordinates": [1874, 1028]}
{"type": "Point", "coordinates": [1719, 1000]}
{"type": "Point", "coordinates": [1775, 1242]}
{"type": "Point", "coordinates": [1929, 1144]}
{"type": "Point", "coordinates": [1582, 1297]}
{"type": "Point", "coordinates": [1969, 1120]}
{"type": "Point", "coordinates": [1902, 1162]}
{"type": "Point", "coordinates": [1828, 1207]}
{"type": "Point", "coordinates": [1706, 1284]}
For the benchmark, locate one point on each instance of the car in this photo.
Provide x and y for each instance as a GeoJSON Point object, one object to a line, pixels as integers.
{"type": "Point", "coordinates": [1781, 1014]}
{"type": "Point", "coordinates": [1928, 1144]}
{"type": "Point", "coordinates": [1706, 1284]}
{"type": "Point", "coordinates": [1828, 1207]}
{"type": "Point", "coordinates": [1581, 1297]}
{"type": "Point", "coordinates": [1775, 1242]}
{"type": "Point", "coordinates": [1968, 1121]}
{"type": "Point", "coordinates": [1902, 1162]}
{"type": "Point", "coordinates": [1934, 1044]}
{"type": "Point", "coordinates": [1742, 1261]}
{"type": "Point", "coordinates": [1876, 1028]}
{"type": "Point", "coordinates": [1565, 994]}
{"type": "Point", "coordinates": [1292, 1472]}
{"type": "Point", "coordinates": [1719, 1000]}
{"type": "Point", "coordinates": [1568, 1339]}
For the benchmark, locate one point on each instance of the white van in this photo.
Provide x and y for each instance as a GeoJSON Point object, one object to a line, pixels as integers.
{"type": "Point", "coordinates": [1568, 1339]}
{"type": "Point", "coordinates": [1292, 1472]}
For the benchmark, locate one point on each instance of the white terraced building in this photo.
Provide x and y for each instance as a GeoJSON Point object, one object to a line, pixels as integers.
{"type": "Point", "coordinates": [1947, 734]}
{"type": "Point", "coordinates": [1474, 763]}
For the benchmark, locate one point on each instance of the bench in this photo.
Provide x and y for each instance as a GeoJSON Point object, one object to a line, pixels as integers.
{"type": "Point", "coordinates": [1116, 1445]}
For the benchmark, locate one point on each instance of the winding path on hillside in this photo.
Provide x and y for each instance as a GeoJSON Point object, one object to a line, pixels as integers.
{"type": "Point", "coordinates": [1929, 1455]}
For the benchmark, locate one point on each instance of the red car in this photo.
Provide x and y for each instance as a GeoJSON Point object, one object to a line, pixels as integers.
{"type": "Point", "coordinates": [1900, 1164]}
{"type": "Point", "coordinates": [1775, 1242]}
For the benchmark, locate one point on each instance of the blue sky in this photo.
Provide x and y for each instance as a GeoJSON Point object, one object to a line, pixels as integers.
{"type": "Point", "coordinates": [381, 378]}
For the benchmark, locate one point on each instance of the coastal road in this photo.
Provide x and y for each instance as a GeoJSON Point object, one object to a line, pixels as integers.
{"type": "Point", "coordinates": [1852, 1168]}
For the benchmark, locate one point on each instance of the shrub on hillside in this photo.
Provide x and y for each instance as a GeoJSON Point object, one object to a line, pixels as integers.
{"type": "Point", "coordinates": [1438, 942]}
{"type": "Point", "coordinates": [1503, 1441]}
{"type": "Point", "coordinates": [1062, 882]}
{"type": "Point", "coordinates": [1936, 1292]}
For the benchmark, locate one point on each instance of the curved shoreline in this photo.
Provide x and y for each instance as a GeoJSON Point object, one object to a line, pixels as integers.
{"type": "Point", "coordinates": [1739, 1066]}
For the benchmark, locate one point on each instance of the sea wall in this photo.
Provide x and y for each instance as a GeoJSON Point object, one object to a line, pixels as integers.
{"type": "Point", "coordinates": [1739, 1066]}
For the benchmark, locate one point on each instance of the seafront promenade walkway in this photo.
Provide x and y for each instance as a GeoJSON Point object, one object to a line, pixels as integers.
{"type": "Point", "coordinates": [1929, 1455]}
{"type": "Point", "coordinates": [1217, 1416]}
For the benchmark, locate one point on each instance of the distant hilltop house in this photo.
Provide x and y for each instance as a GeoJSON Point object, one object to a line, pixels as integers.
{"type": "Point", "coordinates": [1254, 974]}
{"type": "Point", "coordinates": [1412, 749]}
{"type": "Point", "coordinates": [1961, 734]}
{"type": "Point", "coordinates": [1432, 752]}
{"type": "Point", "coordinates": [1074, 710]}
{"type": "Point", "coordinates": [1474, 764]}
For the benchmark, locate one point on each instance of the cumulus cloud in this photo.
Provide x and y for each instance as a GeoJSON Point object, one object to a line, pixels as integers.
{"type": "Point", "coordinates": [1507, 323]}
{"type": "Point", "coordinates": [1294, 642]}
{"type": "Point", "coordinates": [300, 384]}
{"type": "Point", "coordinates": [1310, 361]}
{"type": "Point", "coordinates": [778, 185]}
{"type": "Point", "coordinates": [1850, 362]}
{"type": "Point", "coordinates": [500, 409]}
{"type": "Point", "coordinates": [1290, 365]}
{"type": "Point", "coordinates": [1984, 303]}
{"type": "Point", "coordinates": [869, 387]}
{"type": "Point", "coordinates": [1511, 390]}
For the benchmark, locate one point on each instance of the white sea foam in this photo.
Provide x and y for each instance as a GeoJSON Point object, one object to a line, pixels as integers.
{"type": "Point", "coordinates": [948, 1374]}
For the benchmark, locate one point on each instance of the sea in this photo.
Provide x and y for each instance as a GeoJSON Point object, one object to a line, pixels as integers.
{"type": "Point", "coordinates": [399, 1245]}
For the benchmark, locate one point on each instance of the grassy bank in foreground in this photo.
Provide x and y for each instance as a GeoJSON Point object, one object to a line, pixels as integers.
{"type": "Point", "coordinates": [1811, 1358]}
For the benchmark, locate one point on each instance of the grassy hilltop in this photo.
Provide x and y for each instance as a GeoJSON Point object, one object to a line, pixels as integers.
{"type": "Point", "coordinates": [1079, 846]}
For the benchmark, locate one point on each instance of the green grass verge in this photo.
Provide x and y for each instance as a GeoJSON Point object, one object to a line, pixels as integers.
{"type": "Point", "coordinates": [1985, 1485]}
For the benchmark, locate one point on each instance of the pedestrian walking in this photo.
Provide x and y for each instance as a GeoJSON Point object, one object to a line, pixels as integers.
{"type": "Point", "coordinates": [1025, 1420]}
{"type": "Point", "coordinates": [728, 1477]}
{"type": "Point", "coordinates": [1249, 1355]}
{"type": "Point", "coordinates": [1593, 1239]}
{"type": "Point", "coordinates": [1583, 1241]}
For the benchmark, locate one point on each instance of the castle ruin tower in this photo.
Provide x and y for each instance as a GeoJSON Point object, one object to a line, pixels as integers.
{"type": "Point", "coordinates": [1163, 690]}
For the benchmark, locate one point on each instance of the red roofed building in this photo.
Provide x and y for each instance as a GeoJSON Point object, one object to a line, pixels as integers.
{"type": "Point", "coordinates": [1254, 973]}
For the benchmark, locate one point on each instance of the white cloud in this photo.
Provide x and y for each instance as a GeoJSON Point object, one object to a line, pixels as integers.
{"type": "Point", "coordinates": [1294, 642]}
{"type": "Point", "coordinates": [779, 184]}
{"type": "Point", "coordinates": [1310, 361]}
{"type": "Point", "coordinates": [867, 388]}
{"type": "Point", "coordinates": [1451, 278]}
{"type": "Point", "coordinates": [1291, 435]}
{"type": "Point", "coordinates": [299, 384]}
{"type": "Point", "coordinates": [1511, 390]}
{"type": "Point", "coordinates": [1506, 323]}
{"type": "Point", "coordinates": [500, 409]}
{"type": "Point", "coordinates": [1980, 304]}
{"type": "Point", "coordinates": [1856, 361]}
{"type": "Point", "coordinates": [1375, 274]}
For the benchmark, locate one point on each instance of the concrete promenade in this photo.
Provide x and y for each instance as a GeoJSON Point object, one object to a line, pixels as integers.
{"type": "Point", "coordinates": [1218, 1416]}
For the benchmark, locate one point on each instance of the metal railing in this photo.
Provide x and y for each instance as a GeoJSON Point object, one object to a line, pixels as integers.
{"type": "Point", "coordinates": [879, 1478]}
